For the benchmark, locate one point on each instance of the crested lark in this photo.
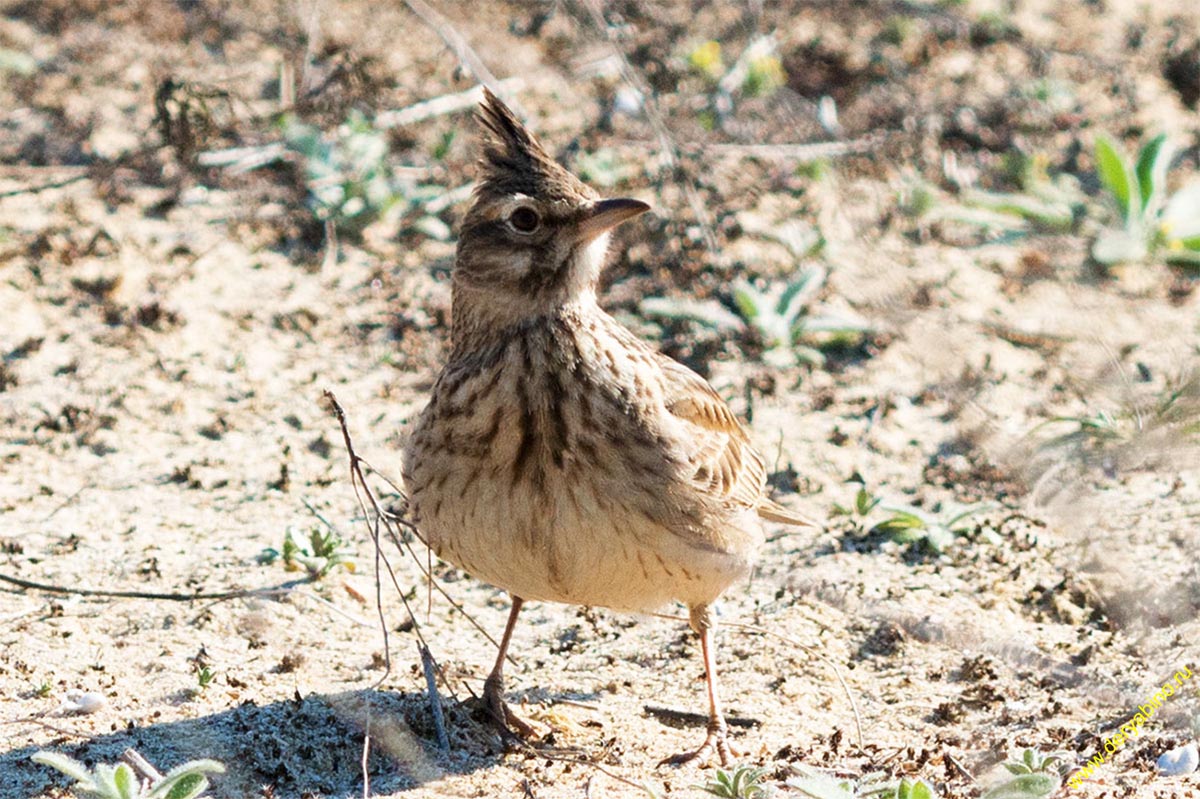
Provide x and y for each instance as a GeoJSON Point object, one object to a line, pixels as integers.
{"type": "Point", "coordinates": [561, 458]}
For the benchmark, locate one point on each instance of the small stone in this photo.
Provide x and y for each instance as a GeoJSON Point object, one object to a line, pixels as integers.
{"type": "Point", "coordinates": [86, 702]}
{"type": "Point", "coordinates": [1180, 760]}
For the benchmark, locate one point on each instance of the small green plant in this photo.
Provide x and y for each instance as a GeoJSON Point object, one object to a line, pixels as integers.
{"type": "Point", "coordinates": [43, 689]}
{"type": "Point", "coordinates": [875, 785]}
{"type": "Point", "coordinates": [1171, 415]}
{"type": "Point", "coordinates": [1034, 762]}
{"type": "Point", "coordinates": [346, 172]}
{"type": "Point", "coordinates": [785, 316]}
{"type": "Point", "coordinates": [1033, 776]}
{"type": "Point", "coordinates": [325, 551]}
{"type": "Point", "coordinates": [1153, 223]}
{"type": "Point", "coordinates": [864, 503]}
{"type": "Point", "coordinates": [933, 532]}
{"type": "Point", "coordinates": [119, 782]}
{"type": "Point", "coordinates": [1043, 203]}
{"type": "Point", "coordinates": [742, 782]}
{"type": "Point", "coordinates": [204, 677]}
{"type": "Point", "coordinates": [789, 321]}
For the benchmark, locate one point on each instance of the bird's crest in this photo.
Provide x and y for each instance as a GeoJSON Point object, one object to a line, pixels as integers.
{"type": "Point", "coordinates": [514, 161]}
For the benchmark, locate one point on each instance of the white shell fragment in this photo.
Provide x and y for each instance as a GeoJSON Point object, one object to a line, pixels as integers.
{"type": "Point", "coordinates": [83, 702]}
{"type": "Point", "coordinates": [1180, 760]}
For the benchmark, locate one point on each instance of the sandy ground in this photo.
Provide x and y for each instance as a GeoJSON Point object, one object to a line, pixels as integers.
{"type": "Point", "coordinates": [167, 331]}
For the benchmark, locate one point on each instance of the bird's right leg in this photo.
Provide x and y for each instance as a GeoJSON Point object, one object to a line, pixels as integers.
{"type": "Point", "coordinates": [493, 686]}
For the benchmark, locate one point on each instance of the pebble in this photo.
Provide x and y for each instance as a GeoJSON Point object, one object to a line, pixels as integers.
{"type": "Point", "coordinates": [83, 702]}
{"type": "Point", "coordinates": [1180, 760]}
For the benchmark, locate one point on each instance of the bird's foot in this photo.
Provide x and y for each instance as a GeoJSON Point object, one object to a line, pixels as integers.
{"type": "Point", "coordinates": [717, 741]}
{"type": "Point", "coordinates": [502, 716]}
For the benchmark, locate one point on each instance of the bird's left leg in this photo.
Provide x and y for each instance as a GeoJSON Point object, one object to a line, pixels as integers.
{"type": "Point", "coordinates": [493, 686]}
{"type": "Point", "coordinates": [718, 732]}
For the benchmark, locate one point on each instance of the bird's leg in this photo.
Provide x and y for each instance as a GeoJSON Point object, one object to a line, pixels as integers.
{"type": "Point", "coordinates": [718, 732]}
{"type": "Point", "coordinates": [493, 686]}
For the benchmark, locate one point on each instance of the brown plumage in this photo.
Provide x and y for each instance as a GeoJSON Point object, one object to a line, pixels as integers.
{"type": "Point", "coordinates": [560, 457]}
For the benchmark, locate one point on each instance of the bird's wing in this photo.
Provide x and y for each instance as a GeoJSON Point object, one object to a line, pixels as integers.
{"type": "Point", "coordinates": [726, 465]}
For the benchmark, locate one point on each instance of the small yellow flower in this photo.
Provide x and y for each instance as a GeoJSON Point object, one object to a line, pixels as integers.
{"type": "Point", "coordinates": [707, 59]}
{"type": "Point", "coordinates": [765, 76]}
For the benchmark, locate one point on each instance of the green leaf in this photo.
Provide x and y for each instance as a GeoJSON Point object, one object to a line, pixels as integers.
{"type": "Point", "coordinates": [1151, 169]}
{"type": "Point", "coordinates": [1114, 174]}
{"type": "Point", "coordinates": [69, 766]}
{"type": "Point", "coordinates": [1027, 786]}
{"type": "Point", "coordinates": [836, 324]}
{"type": "Point", "coordinates": [864, 503]}
{"type": "Point", "coordinates": [748, 300]}
{"type": "Point", "coordinates": [914, 790]}
{"type": "Point", "coordinates": [126, 782]}
{"type": "Point", "coordinates": [800, 292]}
{"type": "Point", "coordinates": [169, 787]}
{"type": "Point", "coordinates": [1181, 257]}
{"type": "Point", "coordinates": [901, 525]}
{"type": "Point", "coordinates": [104, 776]}
{"type": "Point", "coordinates": [1050, 215]}
{"type": "Point", "coordinates": [187, 787]}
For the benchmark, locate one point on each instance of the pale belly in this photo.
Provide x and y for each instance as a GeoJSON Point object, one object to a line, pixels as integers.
{"type": "Point", "coordinates": [579, 548]}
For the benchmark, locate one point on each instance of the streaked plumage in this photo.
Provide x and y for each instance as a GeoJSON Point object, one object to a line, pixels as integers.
{"type": "Point", "coordinates": [560, 457]}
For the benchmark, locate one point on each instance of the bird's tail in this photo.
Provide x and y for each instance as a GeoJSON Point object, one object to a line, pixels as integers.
{"type": "Point", "coordinates": [774, 512]}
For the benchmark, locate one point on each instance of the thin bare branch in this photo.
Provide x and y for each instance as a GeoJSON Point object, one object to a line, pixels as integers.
{"type": "Point", "coordinates": [462, 50]}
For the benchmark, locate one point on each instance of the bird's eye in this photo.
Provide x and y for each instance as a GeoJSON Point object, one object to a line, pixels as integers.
{"type": "Point", "coordinates": [524, 220]}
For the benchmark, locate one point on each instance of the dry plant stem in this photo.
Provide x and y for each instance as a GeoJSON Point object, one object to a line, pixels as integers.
{"type": "Point", "coordinates": [141, 765]}
{"type": "Point", "coordinates": [446, 104]}
{"type": "Point", "coordinates": [458, 43]}
{"type": "Point", "coordinates": [283, 588]}
{"type": "Point", "coordinates": [357, 465]}
{"type": "Point", "coordinates": [435, 701]}
{"type": "Point", "coordinates": [381, 517]}
{"type": "Point", "coordinates": [38, 721]}
{"type": "Point", "coordinates": [54, 184]}
{"type": "Point", "coordinates": [366, 757]}
{"type": "Point", "coordinates": [959, 767]}
{"type": "Point", "coordinates": [799, 152]}
{"type": "Point", "coordinates": [666, 143]}
{"type": "Point", "coordinates": [690, 717]}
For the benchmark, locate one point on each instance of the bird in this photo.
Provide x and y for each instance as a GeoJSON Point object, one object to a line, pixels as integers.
{"type": "Point", "coordinates": [560, 457]}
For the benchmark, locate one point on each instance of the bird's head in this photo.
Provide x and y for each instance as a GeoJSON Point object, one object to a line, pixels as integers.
{"type": "Point", "coordinates": [535, 237]}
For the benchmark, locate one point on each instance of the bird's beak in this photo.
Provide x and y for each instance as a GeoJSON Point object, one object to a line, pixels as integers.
{"type": "Point", "coordinates": [605, 215]}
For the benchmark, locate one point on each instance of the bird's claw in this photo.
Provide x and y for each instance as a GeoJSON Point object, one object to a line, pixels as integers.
{"type": "Point", "coordinates": [501, 713]}
{"type": "Point", "coordinates": [717, 740]}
